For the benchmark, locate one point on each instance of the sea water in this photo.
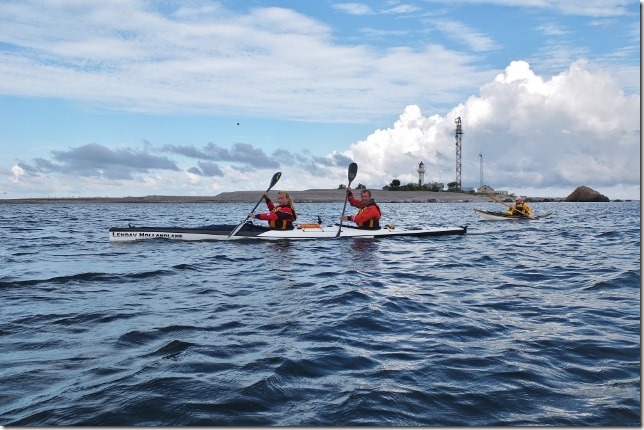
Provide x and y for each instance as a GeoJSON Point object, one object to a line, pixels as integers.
{"type": "Point", "coordinates": [513, 323]}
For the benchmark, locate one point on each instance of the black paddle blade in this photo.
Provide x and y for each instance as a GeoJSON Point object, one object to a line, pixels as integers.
{"type": "Point", "coordinates": [353, 171]}
{"type": "Point", "coordinates": [276, 177]}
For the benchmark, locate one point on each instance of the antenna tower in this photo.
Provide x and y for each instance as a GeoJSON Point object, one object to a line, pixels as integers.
{"type": "Point", "coordinates": [459, 133]}
{"type": "Point", "coordinates": [481, 157]}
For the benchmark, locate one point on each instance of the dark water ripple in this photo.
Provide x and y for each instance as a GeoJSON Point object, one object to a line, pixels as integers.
{"type": "Point", "coordinates": [512, 324]}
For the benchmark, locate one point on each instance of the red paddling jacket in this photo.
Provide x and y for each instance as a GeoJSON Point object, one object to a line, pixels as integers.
{"type": "Point", "coordinates": [280, 217]}
{"type": "Point", "coordinates": [368, 215]}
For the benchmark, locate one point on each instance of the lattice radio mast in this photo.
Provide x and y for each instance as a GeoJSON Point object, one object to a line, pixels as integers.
{"type": "Point", "coordinates": [459, 133]}
{"type": "Point", "coordinates": [481, 157]}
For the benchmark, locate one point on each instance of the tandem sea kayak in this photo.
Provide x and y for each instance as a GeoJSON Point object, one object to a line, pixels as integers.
{"type": "Point", "coordinates": [251, 231]}
{"type": "Point", "coordinates": [502, 216]}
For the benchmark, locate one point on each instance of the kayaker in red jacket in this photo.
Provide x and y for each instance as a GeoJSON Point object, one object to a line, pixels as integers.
{"type": "Point", "coordinates": [369, 212]}
{"type": "Point", "coordinates": [279, 217]}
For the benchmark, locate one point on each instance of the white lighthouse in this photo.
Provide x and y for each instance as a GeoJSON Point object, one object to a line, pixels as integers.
{"type": "Point", "coordinates": [421, 174]}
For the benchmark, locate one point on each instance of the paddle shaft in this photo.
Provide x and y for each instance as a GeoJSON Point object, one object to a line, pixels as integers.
{"type": "Point", "coordinates": [346, 199]}
{"type": "Point", "coordinates": [276, 177]}
{"type": "Point", "coordinates": [353, 169]}
{"type": "Point", "coordinates": [253, 210]}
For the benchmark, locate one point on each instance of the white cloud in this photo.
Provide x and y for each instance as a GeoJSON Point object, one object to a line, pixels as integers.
{"type": "Point", "coordinates": [539, 137]}
{"type": "Point", "coordinates": [591, 7]}
{"type": "Point", "coordinates": [575, 129]}
{"type": "Point", "coordinates": [403, 9]}
{"type": "Point", "coordinates": [552, 29]}
{"type": "Point", "coordinates": [17, 173]}
{"type": "Point", "coordinates": [267, 62]}
{"type": "Point", "coordinates": [536, 131]}
{"type": "Point", "coordinates": [461, 33]}
{"type": "Point", "coordinates": [597, 8]}
{"type": "Point", "coordinates": [354, 8]}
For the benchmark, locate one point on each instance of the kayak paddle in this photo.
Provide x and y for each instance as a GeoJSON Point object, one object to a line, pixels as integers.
{"type": "Point", "coordinates": [353, 170]}
{"type": "Point", "coordinates": [276, 177]}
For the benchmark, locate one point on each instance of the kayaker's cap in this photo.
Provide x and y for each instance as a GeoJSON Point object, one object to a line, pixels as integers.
{"type": "Point", "coordinates": [519, 199]}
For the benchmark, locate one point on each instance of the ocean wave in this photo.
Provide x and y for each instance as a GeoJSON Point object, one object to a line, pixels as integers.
{"type": "Point", "coordinates": [508, 325]}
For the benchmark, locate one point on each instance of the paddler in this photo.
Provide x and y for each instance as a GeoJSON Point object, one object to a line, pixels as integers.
{"type": "Point", "coordinates": [369, 213]}
{"type": "Point", "coordinates": [520, 208]}
{"type": "Point", "coordinates": [279, 217]}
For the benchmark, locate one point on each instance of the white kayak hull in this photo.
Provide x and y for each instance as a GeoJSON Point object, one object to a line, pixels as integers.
{"type": "Point", "coordinates": [254, 232]}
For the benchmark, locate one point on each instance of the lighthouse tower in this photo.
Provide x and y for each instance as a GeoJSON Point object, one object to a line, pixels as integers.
{"type": "Point", "coordinates": [421, 174]}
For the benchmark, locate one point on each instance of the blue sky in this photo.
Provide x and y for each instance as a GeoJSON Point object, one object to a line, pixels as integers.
{"type": "Point", "coordinates": [134, 97]}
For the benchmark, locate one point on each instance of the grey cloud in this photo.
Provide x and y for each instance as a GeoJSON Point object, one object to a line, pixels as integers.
{"type": "Point", "coordinates": [288, 158]}
{"type": "Point", "coordinates": [254, 157]}
{"type": "Point", "coordinates": [239, 153]}
{"type": "Point", "coordinates": [195, 171]}
{"type": "Point", "coordinates": [322, 161]}
{"type": "Point", "coordinates": [336, 160]}
{"type": "Point", "coordinates": [206, 169]}
{"type": "Point", "coordinates": [42, 165]}
{"type": "Point", "coordinates": [209, 152]}
{"type": "Point", "coordinates": [99, 156]}
{"type": "Point", "coordinates": [94, 160]}
{"type": "Point", "coordinates": [315, 166]}
{"type": "Point", "coordinates": [210, 169]}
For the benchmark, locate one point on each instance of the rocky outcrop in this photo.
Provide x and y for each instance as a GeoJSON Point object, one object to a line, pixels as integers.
{"type": "Point", "coordinates": [586, 194]}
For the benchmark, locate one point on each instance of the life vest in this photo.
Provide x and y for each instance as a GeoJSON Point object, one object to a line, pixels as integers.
{"type": "Point", "coordinates": [373, 223]}
{"type": "Point", "coordinates": [281, 224]}
{"type": "Point", "coordinates": [284, 219]}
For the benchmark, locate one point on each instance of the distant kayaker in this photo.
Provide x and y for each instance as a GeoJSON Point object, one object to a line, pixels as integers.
{"type": "Point", "coordinates": [279, 217]}
{"type": "Point", "coordinates": [369, 214]}
{"type": "Point", "coordinates": [520, 208]}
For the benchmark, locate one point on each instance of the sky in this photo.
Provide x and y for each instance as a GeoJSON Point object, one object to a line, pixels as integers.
{"type": "Point", "coordinates": [118, 98]}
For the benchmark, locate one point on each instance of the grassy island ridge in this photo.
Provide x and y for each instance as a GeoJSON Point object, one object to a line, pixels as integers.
{"type": "Point", "coordinates": [306, 196]}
